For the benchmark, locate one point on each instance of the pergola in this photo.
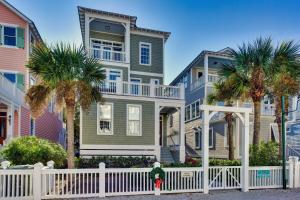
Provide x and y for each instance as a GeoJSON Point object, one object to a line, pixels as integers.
{"type": "Point", "coordinates": [243, 114]}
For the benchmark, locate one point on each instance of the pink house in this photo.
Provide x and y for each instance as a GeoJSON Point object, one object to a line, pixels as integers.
{"type": "Point", "coordinates": [17, 35]}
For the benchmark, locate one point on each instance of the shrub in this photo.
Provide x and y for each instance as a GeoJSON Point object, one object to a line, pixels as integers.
{"type": "Point", "coordinates": [264, 154]}
{"type": "Point", "coordinates": [191, 162]}
{"type": "Point", "coordinates": [114, 162]}
{"type": "Point", "coordinates": [30, 150]}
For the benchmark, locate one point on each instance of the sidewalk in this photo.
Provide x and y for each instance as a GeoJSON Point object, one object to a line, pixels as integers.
{"type": "Point", "coordinates": [272, 194]}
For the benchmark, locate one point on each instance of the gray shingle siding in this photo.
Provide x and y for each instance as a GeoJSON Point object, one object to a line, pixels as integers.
{"type": "Point", "coordinates": [156, 57]}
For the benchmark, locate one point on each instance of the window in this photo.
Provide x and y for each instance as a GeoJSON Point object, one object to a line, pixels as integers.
{"type": "Point", "coordinates": [198, 138]}
{"type": "Point", "coordinates": [145, 53]}
{"type": "Point", "coordinates": [171, 120]}
{"type": "Point", "coordinates": [155, 81]}
{"type": "Point", "coordinates": [187, 113]}
{"type": "Point", "coordinates": [113, 75]}
{"type": "Point", "coordinates": [9, 36]}
{"type": "Point", "coordinates": [134, 113]}
{"type": "Point", "coordinates": [107, 50]}
{"type": "Point", "coordinates": [198, 109]}
{"type": "Point", "coordinates": [105, 123]}
{"type": "Point", "coordinates": [193, 110]}
{"type": "Point", "coordinates": [11, 76]}
{"type": "Point", "coordinates": [185, 81]}
{"type": "Point", "coordinates": [32, 126]}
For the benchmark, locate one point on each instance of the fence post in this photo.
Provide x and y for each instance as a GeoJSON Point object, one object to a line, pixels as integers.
{"type": "Point", "coordinates": [101, 179]}
{"type": "Point", "coordinates": [37, 181]}
{"type": "Point", "coordinates": [156, 190]}
{"type": "Point", "coordinates": [293, 172]}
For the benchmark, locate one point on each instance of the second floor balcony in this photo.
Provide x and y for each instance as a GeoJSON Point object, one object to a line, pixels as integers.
{"type": "Point", "coordinates": [142, 90]}
{"type": "Point", "coordinates": [105, 53]}
{"type": "Point", "coordinates": [200, 82]}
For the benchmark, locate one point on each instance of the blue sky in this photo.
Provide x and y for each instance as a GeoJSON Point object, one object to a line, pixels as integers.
{"type": "Point", "coordinates": [195, 24]}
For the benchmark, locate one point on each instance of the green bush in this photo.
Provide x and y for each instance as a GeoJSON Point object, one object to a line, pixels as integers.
{"type": "Point", "coordinates": [265, 154]}
{"type": "Point", "coordinates": [191, 162]}
{"type": "Point", "coordinates": [114, 162]}
{"type": "Point", "coordinates": [31, 150]}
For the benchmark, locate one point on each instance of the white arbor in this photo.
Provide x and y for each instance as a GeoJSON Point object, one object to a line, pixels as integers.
{"type": "Point", "coordinates": [243, 114]}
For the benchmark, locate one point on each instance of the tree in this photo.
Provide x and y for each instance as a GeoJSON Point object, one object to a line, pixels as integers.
{"type": "Point", "coordinates": [283, 79]}
{"type": "Point", "coordinates": [250, 64]}
{"type": "Point", "coordinates": [225, 92]}
{"type": "Point", "coordinates": [67, 74]}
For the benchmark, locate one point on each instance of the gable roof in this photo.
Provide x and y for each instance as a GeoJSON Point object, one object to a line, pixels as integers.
{"type": "Point", "coordinates": [223, 52]}
{"type": "Point", "coordinates": [25, 18]}
{"type": "Point", "coordinates": [132, 19]}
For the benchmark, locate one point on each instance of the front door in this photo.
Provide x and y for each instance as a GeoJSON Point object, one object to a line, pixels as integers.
{"type": "Point", "coordinates": [160, 131]}
{"type": "Point", "coordinates": [2, 126]}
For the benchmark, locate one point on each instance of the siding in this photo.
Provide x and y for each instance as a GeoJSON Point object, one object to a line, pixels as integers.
{"type": "Point", "coordinates": [146, 79]}
{"type": "Point", "coordinates": [89, 125]}
{"type": "Point", "coordinates": [157, 54]}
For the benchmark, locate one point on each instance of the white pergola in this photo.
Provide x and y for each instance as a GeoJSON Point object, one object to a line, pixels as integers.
{"type": "Point", "coordinates": [243, 114]}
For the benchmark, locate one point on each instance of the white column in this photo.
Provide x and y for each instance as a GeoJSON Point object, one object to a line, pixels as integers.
{"type": "Point", "coordinates": [37, 181]}
{"type": "Point", "coordinates": [156, 132]}
{"type": "Point", "coordinates": [182, 91]}
{"type": "Point", "coordinates": [245, 155]}
{"type": "Point", "coordinates": [10, 122]}
{"type": "Point", "coordinates": [119, 85]}
{"type": "Point", "coordinates": [237, 138]}
{"type": "Point", "coordinates": [205, 150]}
{"type": "Point", "coordinates": [101, 179]}
{"type": "Point", "coordinates": [87, 33]}
{"type": "Point", "coordinates": [182, 135]}
{"type": "Point", "coordinates": [205, 78]}
{"type": "Point", "coordinates": [127, 42]}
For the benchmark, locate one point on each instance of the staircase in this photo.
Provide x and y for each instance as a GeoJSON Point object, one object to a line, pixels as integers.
{"type": "Point", "coordinates": [293, 145]}
{"type": "Point", "coordinates": [165, 155]}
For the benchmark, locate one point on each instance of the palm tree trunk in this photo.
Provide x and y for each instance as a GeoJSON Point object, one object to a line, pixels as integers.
{"type": "Point", "coordinates": [256, 129]}
{"type": "Point", "coordinates": [70, 130]}
{"type": "Point", "coordinates": [229, 120]}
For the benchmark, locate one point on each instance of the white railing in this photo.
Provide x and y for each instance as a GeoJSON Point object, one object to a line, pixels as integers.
{"type": "Point", "coordinates": [212, 78]}
{"type": "Point", "coordinates": [141, 89]}
{"type": "Point", "coordinates": [265, 177]}
{"type": "Point", "coordinates": [107, 55]}
{"type": "Point", "coordinates": [10, 91]}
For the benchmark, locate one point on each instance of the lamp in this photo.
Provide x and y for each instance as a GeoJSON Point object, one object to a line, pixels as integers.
{"type": "Point", "coordinates": [9, 119]}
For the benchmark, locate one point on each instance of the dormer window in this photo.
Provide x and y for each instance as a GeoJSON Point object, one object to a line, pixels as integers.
{"type": "Point", "coordinates": [145, 53]}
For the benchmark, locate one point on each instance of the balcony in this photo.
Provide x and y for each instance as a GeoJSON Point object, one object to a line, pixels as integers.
{"type": "Point", "coordinates": [142, 90]}
{"type": "Point", "coordinates": [212, 78]}
{"type": "Point", "coordinates": [107, 55]}
{"type": "Point", "coordinates": [10, 91]}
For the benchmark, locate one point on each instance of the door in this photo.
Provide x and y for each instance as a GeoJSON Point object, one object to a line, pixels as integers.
{"type": "Point", "coordinates": [135, 84]}
{"type": "Point", "coordinates": [3, 121]}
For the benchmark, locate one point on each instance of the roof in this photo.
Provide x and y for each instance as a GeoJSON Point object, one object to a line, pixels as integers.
{"type": "Point", "coordinates": [223, 52]}
{"type": "Point", "coordinates": [24, 17]}
{"type": "Point", "coordinates": [132, 19]}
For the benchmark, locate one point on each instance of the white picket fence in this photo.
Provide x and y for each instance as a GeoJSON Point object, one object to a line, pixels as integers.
{"type": "Point", "coordinates": [48, 183]}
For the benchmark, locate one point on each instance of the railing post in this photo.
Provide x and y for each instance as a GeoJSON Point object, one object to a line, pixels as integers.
{"type": "Point", "coordinates": [119, 86]}
{"type": "Point", "coordinates": [5, 164]}
{"type": "Point", "coordinates": [101, 179]}
{"type": "Point", "coordinates": [182, 92]}
{"type": "Point", "coordinates": [152, 89]}
{"type": "Point", "coordinates": [293, 177]}
{"type": "Point", "coordinates": [296, 173]}
{"type": "Point", "coordinates": [37, 181]}
{"type": "Point", "coordinates": [156, 190]}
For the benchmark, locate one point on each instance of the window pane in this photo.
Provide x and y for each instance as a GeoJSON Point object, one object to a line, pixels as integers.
{"type": "Point", "coordinates": [193, 110]}
{"type": "Point", "coordinates": [133, 113]}
{"type": "Point", "coordinates": [11, 77]}
{"type": "Point", "coordinates": [9, 31]}
{"type": "Point", "coordinates": [105, 111]}
{"type": "Point", "coordinates": [134, 127]}
{"type": "Point", "coordinates": [11, 41]}
{"type": "Point", "coordinates": [197, 108]}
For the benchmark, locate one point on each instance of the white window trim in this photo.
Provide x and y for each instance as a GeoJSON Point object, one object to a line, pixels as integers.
{"type": "Point", "coordinates": [127, 119]}
{"type": "Point", "coordinates": [112, 119]}
{"type": "Point", "coordinates": [107, 72]}
{"type": "Point", "coordinates": [150, 53]}
{"type": "Point", "coordinates": [2, 33]}
{"type": "Point", "coordinates": [155, 79]}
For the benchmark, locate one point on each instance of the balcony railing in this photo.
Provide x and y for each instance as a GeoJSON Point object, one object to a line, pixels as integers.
{"type": "Point", "coordinates": [200, 82]}
{"type": "Point", "coordinates": [107, 55]}
{"type": "Point", "coordinates": [142, 90]}
{"type": "Point", "coordinates": [10, 91]}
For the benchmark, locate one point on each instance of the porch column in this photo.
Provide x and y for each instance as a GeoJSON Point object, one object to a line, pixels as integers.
{"type": "Point", "coordinates": [182, 135]}
{"type": "Point", "coordinates": [205, 78]}
{"type": "Point", "coordinates": [237, 138]}
{"type": "Point", "coordinates": [245, 155]}
{"type": "Point", "coordinates": [87, 33]}
{"type": "Point", "coordinates": [127, 42]}
{"type": "Point", "coordinates": [10, 122]}
{"type": "Point", "coordinates": [205, 150]}
{"type": "Point", "coordinates": [156, 131]}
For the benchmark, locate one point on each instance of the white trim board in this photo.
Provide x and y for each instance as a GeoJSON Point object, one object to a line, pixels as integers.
{"type": "Point", "coordinates": [99, 146]}
{"type": "Point", "coordinates": [135, 32]}
{"type": "Point", "coordinates": [116, 152]}
{"type": "Point", "coordinates": [146, 73]}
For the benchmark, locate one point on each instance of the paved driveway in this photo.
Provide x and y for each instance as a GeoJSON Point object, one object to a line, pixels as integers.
{"type": "Point", "coordinates": [274, 194]}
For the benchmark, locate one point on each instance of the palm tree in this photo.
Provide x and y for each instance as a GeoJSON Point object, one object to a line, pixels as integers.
{"type": "Point", "coordinates": [250, 63]}
{"type": "Point", "coordinates": [225, 92]}
{"type": "Point", "coordinates": [67, 74]}
{"type": "Point", "coordinates": [283, 79]}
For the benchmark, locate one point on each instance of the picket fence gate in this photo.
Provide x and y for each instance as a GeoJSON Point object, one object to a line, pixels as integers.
{"type": "Point", "coordinates": [45, 182]}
